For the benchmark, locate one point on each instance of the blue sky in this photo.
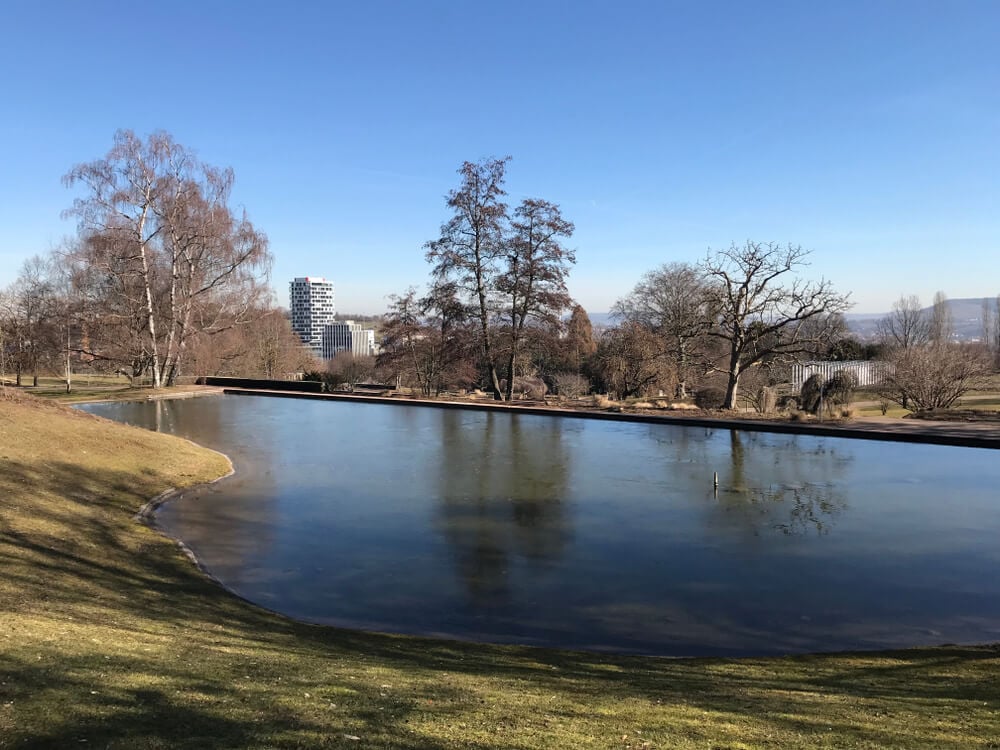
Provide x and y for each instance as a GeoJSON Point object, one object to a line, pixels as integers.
{"type": "Point", "coordinates": [868, 132]}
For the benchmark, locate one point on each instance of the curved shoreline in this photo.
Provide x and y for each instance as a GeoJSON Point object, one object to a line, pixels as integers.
{"type": "Point", "coordinates": [146, 515]}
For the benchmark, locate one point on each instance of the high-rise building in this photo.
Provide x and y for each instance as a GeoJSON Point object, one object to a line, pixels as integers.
{"type": "Point", "coordinates": [311, 302]}
{"type": "Point", "coordinates": [347, 336]}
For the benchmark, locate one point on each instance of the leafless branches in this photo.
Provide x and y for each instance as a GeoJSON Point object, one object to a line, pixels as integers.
{"type": "Point", "coordinates": [161, 257]}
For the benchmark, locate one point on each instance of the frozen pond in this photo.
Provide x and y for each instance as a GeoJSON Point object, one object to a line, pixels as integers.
{"type": "Point", "coordinates": [573, 533]}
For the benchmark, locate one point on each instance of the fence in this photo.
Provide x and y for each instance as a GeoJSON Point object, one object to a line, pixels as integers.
{"type": "Point", "coordinates": [868, 373]}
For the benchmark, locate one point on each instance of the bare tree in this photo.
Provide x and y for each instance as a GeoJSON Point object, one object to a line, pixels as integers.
{"type": "Point", "coordinates": [934, 376]}
{"type": "Point", "coordinates": [673, 301]}
{"type": "Point", "coordinates": [109, 298]}
{"type": "Point", "coordinates": [217, 261]}
{"type": "Point", "coordinates": [571, 384]}
{"type": "Point", "coordinates": [906, 326]}
{"type": "Point", "coordinates": [941, 325]}
{"type": "Point", "coordinates": [533, 280]}
{"type": "Point", "coordinates": [264, 347]}
{"type": "Point", "coordinates": [158, 237]}
{"type": "Point", "coordinates": [471, 246]}
{"type": "Point", "coordinates": [122, 189]}
{"type": "Point", "coordinates": [33, 319]}
{"type": "Point", "coordinates": [450, 340]}
{"type": "Point", "coordinates": [347, 368]}
{"type": "Point", "coordinates": [427, 341]}
{"type": "Point", "coordinates": [629, 360]}
{"type": "Point", "coordinates": [402, 337]}
{"type": "Point", "coordinates": [757, 315]}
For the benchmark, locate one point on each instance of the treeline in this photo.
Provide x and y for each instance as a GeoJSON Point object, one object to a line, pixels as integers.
{"type": "Point", "coordinates": [498, 288]}
{"type": "Point", "coordinates": [929, 369]}
{"type": "Point", "coordinates": [162, 278]}
{"type": "Point", "coordinates": [496, 312]}
{"type": "Point", "coordinates": [165, 278]}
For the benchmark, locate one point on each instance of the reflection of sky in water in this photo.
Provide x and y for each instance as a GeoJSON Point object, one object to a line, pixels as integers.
{"type": "Point", "coordinates": [568, 532]}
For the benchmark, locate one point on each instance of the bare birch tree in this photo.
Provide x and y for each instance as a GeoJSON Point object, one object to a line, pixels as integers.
{"type": "Point", "coordinates": [157, 233]}
{"type": "Point", "coordinates": [216, 260]}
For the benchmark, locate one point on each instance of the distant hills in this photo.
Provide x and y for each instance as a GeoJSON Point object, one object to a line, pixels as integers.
{"type": "Point", "coordinates": [602, 320]}
{"type": "Point", "coordinates": [966, 315]}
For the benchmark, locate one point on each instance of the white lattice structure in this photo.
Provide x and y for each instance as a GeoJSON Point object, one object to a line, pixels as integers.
{"type": "Point", "coordinates": [868, 372]}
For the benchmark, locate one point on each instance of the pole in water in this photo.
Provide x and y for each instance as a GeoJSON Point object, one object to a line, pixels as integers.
{"type": "Point", "coordinates": [715, 480]}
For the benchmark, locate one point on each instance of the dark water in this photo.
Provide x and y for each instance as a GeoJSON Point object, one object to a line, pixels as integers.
{"type": "Point", "coordinates": [585, 534]}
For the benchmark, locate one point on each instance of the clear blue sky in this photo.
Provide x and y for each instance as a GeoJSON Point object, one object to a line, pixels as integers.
{"type": "Point", "coordinates": [868, 132]}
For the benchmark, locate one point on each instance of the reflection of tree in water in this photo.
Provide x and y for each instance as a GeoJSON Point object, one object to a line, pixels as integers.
{"type": "Point", "coordinates": [801, 495]}
{"type": "Point", "coordinates": [683, 445]}
{"type": "Point", "coordinates": [502, 485]}
{"type": "Point", "coordinates": [811, 507]}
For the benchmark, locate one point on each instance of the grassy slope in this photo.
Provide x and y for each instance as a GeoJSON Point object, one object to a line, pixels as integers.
{"type": "Point", "coordinates": [109, 637]}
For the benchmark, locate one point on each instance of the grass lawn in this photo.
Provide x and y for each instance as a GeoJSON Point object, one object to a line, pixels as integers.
{"type": "Point", "coordinates": [97, 388]}
{"type": "Point", "coordinates": [111, 638]}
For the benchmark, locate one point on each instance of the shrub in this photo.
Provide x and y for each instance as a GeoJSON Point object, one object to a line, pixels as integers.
{"type": "Point", "coordinates": [767, 400]}
{"type": "Point", "coordinates": [710, 398]}
{"type": "Point", "coordinates": [788, 402]}
{"type": "Point", "coordinates": [811, 393]}
{"type": "Point", "coordinates": [840, 387]}
{"type": "Point", "coordinates": [530, 387]}
{"type": "Point", "coordinates": [571, 384]}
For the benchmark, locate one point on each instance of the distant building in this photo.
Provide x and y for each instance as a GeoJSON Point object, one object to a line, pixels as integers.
{"type": "Point", "coordinates": [347, 336]}
{"type": "Point", "coordinates": [311, 302]}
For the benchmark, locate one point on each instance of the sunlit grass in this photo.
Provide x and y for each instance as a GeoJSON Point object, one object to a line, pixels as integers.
{"type": "Point", "coordinates": [110, 638]}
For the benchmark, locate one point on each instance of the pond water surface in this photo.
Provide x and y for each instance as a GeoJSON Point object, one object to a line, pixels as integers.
{"type": "Point", "coordinates": [573, 533]}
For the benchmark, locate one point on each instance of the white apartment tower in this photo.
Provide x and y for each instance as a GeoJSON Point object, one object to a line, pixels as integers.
{"type": "Point", "coordinates": [311, 302]}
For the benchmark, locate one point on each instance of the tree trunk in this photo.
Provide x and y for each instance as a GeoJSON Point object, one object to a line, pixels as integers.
{"type": "Point", "coordinates": [680, 391]}
{"type": "Point", "coordinates": [510, 372]}
{"type": "Point", "coordinates": [732, 387]}
{"type": "Point", "coordinates": [495, 383]}
{"type": "Point", "coordinates": [150, 310]}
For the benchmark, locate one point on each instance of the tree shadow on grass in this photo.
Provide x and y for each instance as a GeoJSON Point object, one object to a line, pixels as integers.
{"type": "Point", "coordinates": [191, 713]}
{"type": "Point", "coordinates": [84, 562]}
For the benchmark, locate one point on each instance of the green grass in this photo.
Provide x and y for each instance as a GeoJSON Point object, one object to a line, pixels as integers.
{"type": "Point", "coordinates": [111, 638]}
{"type": "Point", "coordinates": [97, 388]}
